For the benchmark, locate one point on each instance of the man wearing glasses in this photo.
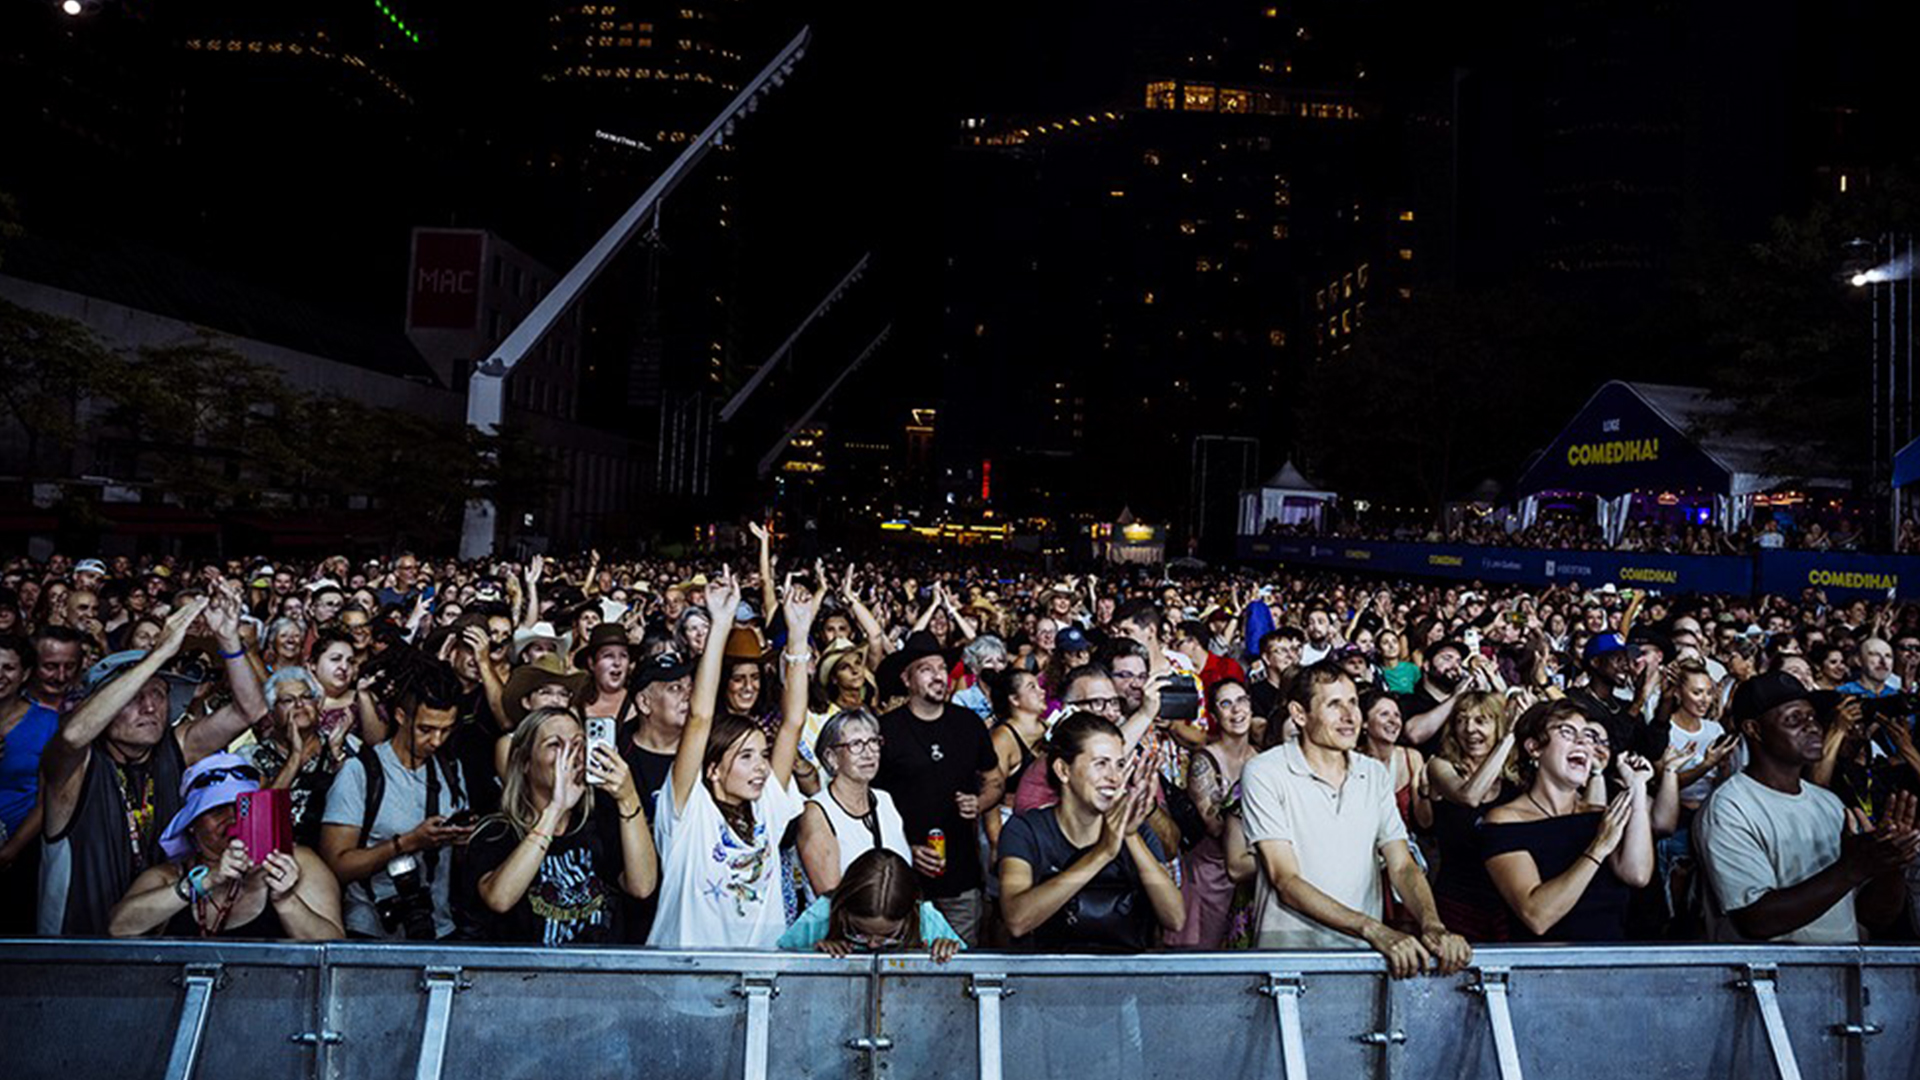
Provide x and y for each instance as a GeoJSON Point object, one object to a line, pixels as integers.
{"type": "Point", "coordinates": [110, 778]}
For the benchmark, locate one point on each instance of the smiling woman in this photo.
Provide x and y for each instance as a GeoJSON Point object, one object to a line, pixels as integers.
{"type": "Point", "coordinates": [1564, 866]}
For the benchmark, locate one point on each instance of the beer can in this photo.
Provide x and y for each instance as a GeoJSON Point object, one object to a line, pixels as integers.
{"type": "Point", "coordinates": [937, 840]}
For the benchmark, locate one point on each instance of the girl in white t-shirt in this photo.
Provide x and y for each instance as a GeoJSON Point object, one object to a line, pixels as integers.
{"type": "Point", "coordinates": [732, 797]}
{"type": "Point", "coordinates": [1696, 762]}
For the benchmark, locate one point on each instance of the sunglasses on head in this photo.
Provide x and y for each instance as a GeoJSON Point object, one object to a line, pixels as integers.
{"type": "Point", "coordinates": [229, 772]}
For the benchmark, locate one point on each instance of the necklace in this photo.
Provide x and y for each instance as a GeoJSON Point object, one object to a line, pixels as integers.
{"type": "Point", "coordinates": [1544, 812]}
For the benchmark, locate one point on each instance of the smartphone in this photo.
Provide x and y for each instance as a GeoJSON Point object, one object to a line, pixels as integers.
{"type": "Point", "coordinates": [1179, 701]}
{"type": "Point", "coordinates": [263, 821]}
{"type": "Point", "coordinates": [600, 731]}
{"type": "Point", "coordinates": [463, 819]}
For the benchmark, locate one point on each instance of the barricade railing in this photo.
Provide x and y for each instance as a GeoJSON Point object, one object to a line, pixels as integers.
{"type": "Point", "coordinates": [73, 1009]}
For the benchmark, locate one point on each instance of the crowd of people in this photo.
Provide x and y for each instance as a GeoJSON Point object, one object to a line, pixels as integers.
{"type": "Point", "coordinates": [888, 753]}
{"type": "Point", "coordinates": [1561, 533]}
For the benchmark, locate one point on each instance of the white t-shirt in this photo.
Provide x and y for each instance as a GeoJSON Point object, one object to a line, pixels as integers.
{"type": "Point", "coordinates": [1753, 840]}
{"type": "Point", "coordinates": [717, 891]}
{"type": "Point", "coordinates": [1677, 736]}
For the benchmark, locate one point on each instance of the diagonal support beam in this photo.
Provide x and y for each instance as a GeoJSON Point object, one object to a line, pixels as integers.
{"type": "Point", "coordinates": [739, 400]}
{"type": "Point", "coordinates": [766, 463]}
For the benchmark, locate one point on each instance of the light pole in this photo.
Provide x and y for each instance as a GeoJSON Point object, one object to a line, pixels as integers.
{"type": "Point", "coordinates": [1885, 269]}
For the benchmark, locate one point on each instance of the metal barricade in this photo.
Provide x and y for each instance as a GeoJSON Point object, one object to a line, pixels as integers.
{"type": "Point", "coordinates": [75, 1009]}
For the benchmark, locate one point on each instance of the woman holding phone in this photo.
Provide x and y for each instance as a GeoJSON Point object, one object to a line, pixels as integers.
{"type": "Point", "coordinates": [570, 839]}
{"type": "Point", "coordinates": [213, 886]}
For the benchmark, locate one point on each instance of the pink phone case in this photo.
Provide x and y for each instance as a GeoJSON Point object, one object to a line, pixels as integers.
{"type": "Point", "coordinates": [263, 820]}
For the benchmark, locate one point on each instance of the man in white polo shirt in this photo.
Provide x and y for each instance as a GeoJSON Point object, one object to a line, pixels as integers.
{"type": "Point", "coordinates": [1322, 819]}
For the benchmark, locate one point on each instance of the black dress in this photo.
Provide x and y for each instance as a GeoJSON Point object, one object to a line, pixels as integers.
{"type": "Point", "coordinates": [1555, 844]}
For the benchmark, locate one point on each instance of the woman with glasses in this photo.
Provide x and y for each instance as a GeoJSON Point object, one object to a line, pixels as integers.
{"type": "Point", "coordinates": [877, 908]}
{"type": "Point", "coordinates": [292, 751]}
{"type": "Point", "coordinates": [212, 886]}
{"type": "Point", "coordinates": [848, 817]}
{"type": "Point", "coordinates": [1565, 866]}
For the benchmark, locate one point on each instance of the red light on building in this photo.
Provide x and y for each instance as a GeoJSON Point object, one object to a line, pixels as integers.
{"type": "Point", "coordinates": [986, 479]}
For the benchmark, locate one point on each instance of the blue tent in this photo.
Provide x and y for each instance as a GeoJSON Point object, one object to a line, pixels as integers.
{"type": "Point", "coordinates": [1906, 464]}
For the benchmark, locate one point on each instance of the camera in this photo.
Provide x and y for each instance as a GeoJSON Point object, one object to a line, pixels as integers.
{"type": "Point", "coordinates": [1880, 708]}
{"type": "Point", "coordinates": [410, 908]}
{"type": "Point", "coordinates": [1179, 700]}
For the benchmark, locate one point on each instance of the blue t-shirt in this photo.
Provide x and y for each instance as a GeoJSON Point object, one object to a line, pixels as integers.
{"type": "Point", "coordinates": [810, 928]}
{"type": "Point", "coordinates": [20, 764]}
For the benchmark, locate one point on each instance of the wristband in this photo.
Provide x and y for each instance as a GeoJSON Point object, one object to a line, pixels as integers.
{"type": "Point", "coordinates": [1589, 855]}
{"type": "Point", "coordinates": [184, 889]}
{"type": "Point", "coordinates": [797, 658]}
{"type": "Point", "coordinates": [637, 808]}
{"type": "Point", "coordinates": [234, 655]}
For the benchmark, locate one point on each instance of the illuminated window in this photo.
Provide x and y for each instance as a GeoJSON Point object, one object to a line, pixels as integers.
{"type": "Point", "coordinates": [1116, 193]}
{"type": "Point", "coordinates": [1406, 215]}
{"type": "Point", "coordinates": [1199, 98]}
{"type": "Point", "coordinates": [1282, 191]}
{"type": "Point", "coordinates": [1406, 254]}
{"type": "Point", "coordinates": [1277, 338]}
{"type": "Point", "coordinates": [1405, 293]}
{"type": "Point", "coordinates": [1189, 228]}
{"type": "Point", "coordinates": [1280, 230]}
{"type": "Point", "coordinates": [1320, 300]}
{"type": "Point", "coordinates": [1151, 157]}
{"type": "Point", "coordinates": [1346, 286]}
{"type": "Point", "coordinates": [1148, 298]}
{"type": "Point", "coordinates": [1202, 264]}
{"type": "Point", "coordinates": [1233, 101]}
{"type": "Point", "coordinates": [1160, 95]}
{"type": "Point", "coordinates": [1843, 183]}
{"type": "Point", "coordinates": [1362, 274]}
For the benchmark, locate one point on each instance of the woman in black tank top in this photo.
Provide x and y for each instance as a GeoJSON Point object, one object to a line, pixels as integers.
{"type": "Point", "coordinates": [1021, 705]}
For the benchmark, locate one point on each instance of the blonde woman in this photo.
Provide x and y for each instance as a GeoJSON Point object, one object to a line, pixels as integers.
{"type": "Point", "coordinates": [1472, 772]}
{"type": "Point", "coordinates": [552, 865]}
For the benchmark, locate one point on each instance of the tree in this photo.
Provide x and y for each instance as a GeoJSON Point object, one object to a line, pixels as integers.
{"type": "Point", "coordinates": [1444, 390]}
{"type": "Point", "coordinates": [48, 366]}
{"type": "Point", "coordinates": [1792, 334]}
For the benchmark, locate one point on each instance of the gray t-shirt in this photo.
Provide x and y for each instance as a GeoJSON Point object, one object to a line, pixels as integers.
{"type": "Point", "coordinates": [1753, 840]}
{"type": "Point", "coordinates": [402, 807]}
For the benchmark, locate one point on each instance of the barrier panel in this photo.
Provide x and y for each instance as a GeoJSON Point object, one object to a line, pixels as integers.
{"type": "Point", "coordinates": [74, 1009]}
{"type": "Point", "coordinates": [1523, 566]}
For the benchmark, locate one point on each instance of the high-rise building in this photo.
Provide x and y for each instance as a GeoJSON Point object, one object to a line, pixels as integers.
{"type": "Point", "coordinates": [1127, 279]}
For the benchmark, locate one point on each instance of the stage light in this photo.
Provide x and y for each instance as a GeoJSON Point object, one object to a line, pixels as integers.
{"type": "Point", "coordinates": [72, 7]}
{"type": "Point", "coordinates": [1898, 270]}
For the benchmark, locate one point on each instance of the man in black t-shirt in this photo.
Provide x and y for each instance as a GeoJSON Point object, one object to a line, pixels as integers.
{"type": "Point", "coordinates": [1609, 699]}
{"type": "Point", "coordinates": [1429, 706]}
{"type": "Point", "coordinates": [939, 765]}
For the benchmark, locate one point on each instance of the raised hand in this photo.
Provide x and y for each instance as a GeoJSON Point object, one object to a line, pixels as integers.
{"type": "Point", "coordinates": [567, 789]}
{"type": "Point", "coordinates": [801, 605]}
{"type": "Point", "coordinates": [173, 633]}
{"type": "Point", "coordinates": [232, 865]}
{"type": "Point", "coordinates": [723, 595]}
{"type": "Point", "coordinates": [760, 532]}
{"type": "Point", "coordinates": [1613, 827]}
{"type": "Point", "coordinates": [536, 568]}
{"type": "Point", "coordinates": [223, 613]}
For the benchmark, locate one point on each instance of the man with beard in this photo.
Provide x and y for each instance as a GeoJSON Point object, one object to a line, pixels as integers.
{"type": "Point", "coordinates": [110, 779]}
{"type": "Point", "coordinates": [1430, 704]}
{"type": "Point", "coordinates": [1321, 638]}
{"type": "Point", "coordinates": [939, 765]}
{"type": "Point", "coordinates": [1279, 659]}
{"type": "Point", "coordinates": [1609, 698]}
{"type": "Point", "coordinates": [1785, 859]}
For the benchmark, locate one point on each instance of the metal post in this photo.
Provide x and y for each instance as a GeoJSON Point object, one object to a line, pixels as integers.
{"type": "Point", "coordinates": [1285, 990]}
{"type": "Point", "coordinates": [200, 981]}
{"type": "Point", "coordinates": [734, 404]}
{"type": "Point", "coordinates": [1491, 983]}
{"type": "Point", "coordinates": [484, 396]}
{"type": "Point", "coordinates": [759, 992]}
{"type": "Point", "coordinates": [440, 984]}
{"type": "Point", "coordinates": [988, 991]}
{"type": "Point", "coordinates": [766, 462]}
{"type": "Point", "coordinates": [1761, 983]}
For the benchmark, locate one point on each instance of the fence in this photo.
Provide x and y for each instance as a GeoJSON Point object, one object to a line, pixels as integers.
{"type": "Point", "coordinates": [1783, 573]}
{"type": "Point", "coordinates": [79, 1009]}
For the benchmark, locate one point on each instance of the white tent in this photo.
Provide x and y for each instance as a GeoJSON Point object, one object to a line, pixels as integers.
{"type": "Point", "coordinates": [1288, 498]}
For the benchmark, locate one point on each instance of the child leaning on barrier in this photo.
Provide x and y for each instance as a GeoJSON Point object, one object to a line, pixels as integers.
{"type": "Point", "coordinates": [876, 907]}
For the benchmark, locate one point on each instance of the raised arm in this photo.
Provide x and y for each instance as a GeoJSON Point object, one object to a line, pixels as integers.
{"type": "Point", "coordinates": [769, 597]}
{"type": "Point", "coordinates": [802, 604]}
{"type": "Point", "coordinates": [960, 622]}
{"type": "Point", "coordinates": [199, 738]}
{"type": "Point", "coordinates": [723, 599]}
{"type": "Point", "coordinates": [1423, 726]}
{"type": "Point", "coordinates": [1475, 789]}
{"type": "Point", "coordinates": [65, 754]}
{"type": "Point", "coordinates": [869, 624]}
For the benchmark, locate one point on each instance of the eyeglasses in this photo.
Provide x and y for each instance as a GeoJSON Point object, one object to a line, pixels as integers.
{"type": "Point", "coordinates": [1909, 646]}
{"type": "Point", "coordinates": [1595, 739]}
{"type": "Point", "coordinates": [868, 745]}
{"type": "Point", "coordinates": [1099, 704]}
{"type": "Point", "coordinates": [291, 699]}
{"type": "Point", "coordinates": [231, 772]}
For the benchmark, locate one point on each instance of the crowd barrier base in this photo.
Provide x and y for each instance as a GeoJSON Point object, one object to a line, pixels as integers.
{"type": "Point", "coordinates": [75, 1009]}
